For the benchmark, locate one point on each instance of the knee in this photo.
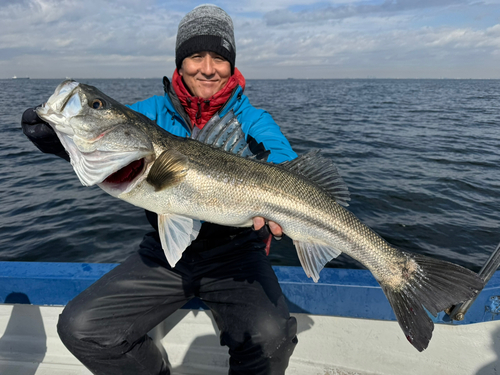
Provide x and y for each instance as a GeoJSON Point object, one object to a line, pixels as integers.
{"type": "Point", "coordinates": [74, 324]}
{"type": "Point", "coordinates": [276, 337]}
{"type": "Point", "coordinates": [80, 331]}
{"type": "Point", "coordinates": [73, 327]}
{"type": "Point", "coordinates": [264, 338]}
{"type": "Point", "coordinates": [66, 326]}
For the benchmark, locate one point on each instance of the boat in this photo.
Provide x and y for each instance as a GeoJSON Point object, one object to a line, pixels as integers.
{"type": "Point", "coordinates": [346, 326]}
{"type": "Point", "coordinates": [15, 77]}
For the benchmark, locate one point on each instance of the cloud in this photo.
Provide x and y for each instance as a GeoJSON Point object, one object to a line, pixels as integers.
{"type": "Point", "coordinates": [38, 33]}
{"type": "Point", "coordinates": [343, 11]}
{"type": "Point", "coordinates": [384, 48]}
{"type": "Point", "coordinates": [261, 6]}
{"type": "Point", "coordinates": [90, 27]}
{"type": "Point", "coordinates": [392, 38]}
{"type": "Point", "coordinates": [342, 38]}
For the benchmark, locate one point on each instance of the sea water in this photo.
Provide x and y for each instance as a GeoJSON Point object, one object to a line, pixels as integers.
{"type": "Point", "coordinates": [420, 158]}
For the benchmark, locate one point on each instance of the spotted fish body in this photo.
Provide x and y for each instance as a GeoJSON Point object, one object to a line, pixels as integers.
{"type": "Point", "coordinates": [186, 181]}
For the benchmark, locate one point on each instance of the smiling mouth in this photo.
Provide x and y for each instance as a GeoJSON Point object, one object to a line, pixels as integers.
{"type": "Point", "coordinates": [127, 173]}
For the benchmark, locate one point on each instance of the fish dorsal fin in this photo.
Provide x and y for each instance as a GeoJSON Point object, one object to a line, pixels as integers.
{"type": "Point", "coordinates": [321, 171]}
{"type": "Point", "coordinates": [226, 134]}
{"type": "Point", "coordinates": [169, 169]}
{"type": "Point", "coordinates": [176, 234]}
{"type": "Point", "coordinates": [313, 257]}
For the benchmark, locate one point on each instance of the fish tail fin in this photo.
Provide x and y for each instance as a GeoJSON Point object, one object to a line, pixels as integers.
{"type": "Point", "coordinates": [432, 284]}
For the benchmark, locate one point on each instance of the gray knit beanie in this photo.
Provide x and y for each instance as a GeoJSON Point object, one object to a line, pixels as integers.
{"type": "Point", "coordinates": [206, 28]}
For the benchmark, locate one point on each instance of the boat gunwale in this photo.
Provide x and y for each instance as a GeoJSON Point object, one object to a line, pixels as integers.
{"type": "Point", "coordinates": [340, 292]}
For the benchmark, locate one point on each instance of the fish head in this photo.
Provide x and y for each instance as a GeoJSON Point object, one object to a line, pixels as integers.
{"type": "Point", "coordinates": [105, 140]}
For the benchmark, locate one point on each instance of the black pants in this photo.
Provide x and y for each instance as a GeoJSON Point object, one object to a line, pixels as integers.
{"type": "Point", "coordinates": [105, 326]}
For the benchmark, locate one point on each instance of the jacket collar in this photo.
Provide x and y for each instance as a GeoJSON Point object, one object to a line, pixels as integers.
{"type": "Point", "coordinates": [201, 110]}
{"type": "Point", "coordinates": [176, 104]}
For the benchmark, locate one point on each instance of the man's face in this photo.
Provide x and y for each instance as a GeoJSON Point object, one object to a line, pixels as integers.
{"type": "Point", "coordinates": [205, 73]}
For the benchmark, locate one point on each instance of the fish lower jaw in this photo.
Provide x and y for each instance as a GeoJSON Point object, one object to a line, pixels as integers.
{"type": "Point", "coordinates": [125, 179]}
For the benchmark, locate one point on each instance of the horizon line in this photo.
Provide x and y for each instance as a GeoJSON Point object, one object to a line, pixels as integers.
{"type": "Point", "coordinates": [263, 79]}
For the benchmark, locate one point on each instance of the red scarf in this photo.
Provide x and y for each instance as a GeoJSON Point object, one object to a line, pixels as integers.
{"type": "Point", "coordinates": [201, 110]}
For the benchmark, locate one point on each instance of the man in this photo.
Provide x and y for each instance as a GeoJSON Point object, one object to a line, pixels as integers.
{"type": "Point", "coordinates": [105, 326]}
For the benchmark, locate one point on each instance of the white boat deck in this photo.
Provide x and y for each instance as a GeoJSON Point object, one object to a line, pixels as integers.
{"type": "Point", "coordinates": [328, 345]}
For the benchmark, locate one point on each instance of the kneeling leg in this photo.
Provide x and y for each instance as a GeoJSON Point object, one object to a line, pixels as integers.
{"type": "Point", "coordinates": [106, 326]}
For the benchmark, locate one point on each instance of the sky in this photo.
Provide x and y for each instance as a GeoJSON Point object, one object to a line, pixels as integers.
{"type": "Point", "coordinates": [275, 39]}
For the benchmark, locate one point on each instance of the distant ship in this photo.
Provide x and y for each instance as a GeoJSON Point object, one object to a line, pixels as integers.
{"type": "Point", "coordinates": [20, 77]}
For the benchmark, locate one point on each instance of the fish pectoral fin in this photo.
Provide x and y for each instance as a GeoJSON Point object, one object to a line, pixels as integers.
{"type": "Point", "coordinates": [169, 169]}
{"type": "Point", "coordinates": [314, 256]}
{"type": "Point", "coordinates": [176, 234]}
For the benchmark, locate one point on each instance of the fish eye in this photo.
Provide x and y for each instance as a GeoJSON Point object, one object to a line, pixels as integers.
{"type": "Point", "coordinates": [97, 104]}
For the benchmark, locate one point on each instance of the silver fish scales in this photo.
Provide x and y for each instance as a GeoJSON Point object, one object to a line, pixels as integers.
{"type": "Point", "coordinates": [186, 181]}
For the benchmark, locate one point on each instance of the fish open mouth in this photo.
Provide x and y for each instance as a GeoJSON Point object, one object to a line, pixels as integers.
{"type": "Point", "coordinates": [126, 179]}
{"type": "Point", "coordinates": [127, 173]}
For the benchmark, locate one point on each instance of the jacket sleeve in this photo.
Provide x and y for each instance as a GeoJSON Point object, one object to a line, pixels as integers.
{"type": "Point", "coordinates": [261, 126]}
{"type": "Point", "coordinates": [148, 107]}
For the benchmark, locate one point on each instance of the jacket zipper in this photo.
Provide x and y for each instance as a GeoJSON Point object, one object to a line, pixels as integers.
{"type": "Point", "coordinates": [218, 112]}
{"type": "Point", "coordinates": [223, 108]}
{"type": "Point", "coordinates": [198, 114]}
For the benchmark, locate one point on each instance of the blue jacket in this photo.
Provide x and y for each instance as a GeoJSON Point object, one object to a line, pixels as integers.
{"type": "Point", "coordinates": [255, 122]}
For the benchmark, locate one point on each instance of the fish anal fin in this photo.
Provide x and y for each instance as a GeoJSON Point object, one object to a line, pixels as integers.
{"type": "Point", "coordinates": [168, 170]}
{"type": "Point", "coordinates": [322, 172]}
{"type": "Point", "coordinates": [314, 257]}
{"type": "Point", "coordinates": [176, 234]}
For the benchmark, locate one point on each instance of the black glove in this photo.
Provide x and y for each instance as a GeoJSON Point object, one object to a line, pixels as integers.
{"type": "Point", "coordinates": [41, 134]}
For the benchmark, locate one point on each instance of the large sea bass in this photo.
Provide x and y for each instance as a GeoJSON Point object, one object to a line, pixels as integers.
{"type": "Point", "coordinates": [185, 181]}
